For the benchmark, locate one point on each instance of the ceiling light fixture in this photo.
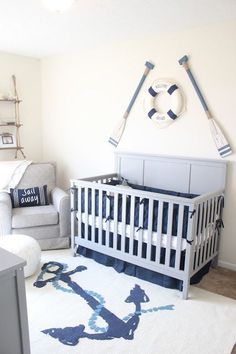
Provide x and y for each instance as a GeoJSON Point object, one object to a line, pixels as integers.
{"type": "Point", "coordinates": [58, 5]}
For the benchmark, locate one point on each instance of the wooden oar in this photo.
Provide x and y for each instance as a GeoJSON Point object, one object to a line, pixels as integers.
{"type": "Point", "coordinates": [119, 130]}
{"type": "Point", "coordinates": [220, 141]}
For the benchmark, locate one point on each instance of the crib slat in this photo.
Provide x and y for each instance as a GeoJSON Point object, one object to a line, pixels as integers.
{"type": "Point", "coordinates": [159, 231]}
{"type": "Point", "coordinates": [214, 246]}
{"type": "Point", "coordinates": [124, 199]}
{"type": "Point", "coordinates": [203, 241]}
{"type": "Point", "coordinates": [218, 211]}
{"type": "Point", "coordinates": [107, 221]}
{"type": "Point", "coordinates": [140, 232]}
{"type": "Point", "coordinates": [73, 192]}
{"type": "Point", "coordinates": [169, 234]}
{"type": "Point", "coordinates": [79, 211]}
{"type": "Point", "coordinates": [214, 201]}
{"type": "Point", "coordinates": [100, 216]}
{"type": "Point", "coordinates": [208, 228]}
{"type": "Point", "coordinates": [196, 238]}
{"type": "Point", "coordinates": [149, 231]}
{"type": "Point", "coordinates": [132, 231]}
{"type": "Point", "coordinates": [86, 212]}
{"type": "Point", "coordinates": [199, 235]}
{"type": "Point", "coordinates": [115, 220]}
{"type": "Point", "coordinates": [211, 217]}
{"type": "Point", "coordinates": [93, 215]}
{"type": "Point", "coordinates": [206, 231]}
{"type": "Point", "coordinates": [179, 236]}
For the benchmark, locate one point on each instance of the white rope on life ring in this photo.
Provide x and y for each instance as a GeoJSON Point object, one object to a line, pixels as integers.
{"type": "Point", "coordinates": [176, 102]}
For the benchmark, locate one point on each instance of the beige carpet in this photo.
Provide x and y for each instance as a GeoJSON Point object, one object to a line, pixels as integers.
{"type": "Point", "coordinates": [220, 281]}
{"type": "Point", "coordinates": [234, 350]}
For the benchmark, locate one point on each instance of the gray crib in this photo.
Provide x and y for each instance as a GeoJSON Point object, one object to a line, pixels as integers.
{"type": "Point", "coordinates": [99, 210]}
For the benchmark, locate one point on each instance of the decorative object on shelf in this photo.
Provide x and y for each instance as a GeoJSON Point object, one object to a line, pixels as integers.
{"type": "Point", "coordinates": [164, 117]}
{"type": "Point", "coordinates": [119, 130]}
{"type": "Point", "coordinates": [7, 121]}
{"type": "Point", "coordinates": [7, 140]}
{"type": "Point", "coordinates": [220, 141]}
{"type": "Point", "coordinates": [11, 139]}
{"type": "Point", "coordinates": [7, 96]}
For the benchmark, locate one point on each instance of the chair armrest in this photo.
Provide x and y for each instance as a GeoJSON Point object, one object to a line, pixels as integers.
{"type": "Point", "coordinates": [61, 201]}
{"type": "Point", "coordinates": [5, 213]}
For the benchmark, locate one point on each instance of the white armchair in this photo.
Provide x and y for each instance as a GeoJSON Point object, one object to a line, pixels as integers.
{"type": "Point", "coordinates": [48, 224]}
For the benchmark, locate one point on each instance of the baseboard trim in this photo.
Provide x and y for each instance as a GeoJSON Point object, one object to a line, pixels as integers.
{"type": "Point", "coordinates": [227, 265]}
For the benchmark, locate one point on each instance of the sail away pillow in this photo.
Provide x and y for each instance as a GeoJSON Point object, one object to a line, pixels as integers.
{"type": "Point", "coordinates": [29, 197]}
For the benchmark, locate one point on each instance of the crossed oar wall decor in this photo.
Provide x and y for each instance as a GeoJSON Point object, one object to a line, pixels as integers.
{"type": "Point", "coordinates": [222, 145]}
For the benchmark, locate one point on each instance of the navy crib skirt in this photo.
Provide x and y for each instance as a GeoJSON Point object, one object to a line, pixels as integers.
{"type": "Point", "coordinates": [138, 271]}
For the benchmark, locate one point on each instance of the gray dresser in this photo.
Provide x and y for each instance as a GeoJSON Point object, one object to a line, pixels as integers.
{"type": "Point", "coordinates": [14, 332]}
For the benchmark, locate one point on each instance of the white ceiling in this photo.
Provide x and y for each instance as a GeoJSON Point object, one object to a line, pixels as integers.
{"type": "Point", "coordinates": [27, 28]}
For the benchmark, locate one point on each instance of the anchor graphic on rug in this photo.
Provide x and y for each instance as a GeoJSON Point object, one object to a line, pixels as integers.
{"type": "Point", "coordinates": [116, 328]}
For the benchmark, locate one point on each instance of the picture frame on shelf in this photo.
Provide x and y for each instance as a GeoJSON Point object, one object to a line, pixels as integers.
{"type": "Point", "coordinates": [7, 140]}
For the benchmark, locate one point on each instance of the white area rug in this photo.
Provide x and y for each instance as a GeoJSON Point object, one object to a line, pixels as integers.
{"type": "Point", "coordinates": [164, 324]}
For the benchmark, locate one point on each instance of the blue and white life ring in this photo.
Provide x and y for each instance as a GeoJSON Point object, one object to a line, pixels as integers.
{"type": "Point", "coordinates": [176, 102]}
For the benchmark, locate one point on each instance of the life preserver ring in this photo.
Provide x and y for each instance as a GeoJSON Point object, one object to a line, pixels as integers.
{"type": "Point", "coordinates": [176, 102]}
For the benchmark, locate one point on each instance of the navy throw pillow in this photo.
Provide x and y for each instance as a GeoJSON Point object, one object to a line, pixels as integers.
{"type": "Point", "coordinates": [29, 197]}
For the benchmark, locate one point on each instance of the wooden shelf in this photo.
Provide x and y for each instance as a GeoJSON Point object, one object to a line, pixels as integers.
{"type": "Point", "coordinates": [13, 100]}
{"type": "Point", "coordinates": [11, 125]}
{"type": "Point", "coordinates": [12, 148]}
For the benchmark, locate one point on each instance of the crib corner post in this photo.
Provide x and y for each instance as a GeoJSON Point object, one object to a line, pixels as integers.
{"type": "Point", "coordinates": [214, 262]}
{"type": "Point", "coordinates": [185, 289]}
{"type": "Point", "coordinates": [189, 259]}
{"type": "Point", "coordinates": [74, 251]}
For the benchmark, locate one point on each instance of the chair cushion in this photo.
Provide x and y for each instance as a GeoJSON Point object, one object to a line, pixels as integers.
{"type": "Point", "coordinates": [34, 216]}
{"type": "Point", "coordinates": [28, 197]}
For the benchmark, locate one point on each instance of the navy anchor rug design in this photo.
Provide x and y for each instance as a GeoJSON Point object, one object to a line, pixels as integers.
{"type": "Point", "coordinates": [116, 327]}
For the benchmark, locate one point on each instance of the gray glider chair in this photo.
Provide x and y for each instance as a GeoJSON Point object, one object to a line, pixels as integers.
{"type": "Point", "coordinates": [48, 224]}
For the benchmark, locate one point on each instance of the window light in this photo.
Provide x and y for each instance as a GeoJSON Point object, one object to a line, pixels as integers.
{"type": "Point", "coordinates": [58, 5]}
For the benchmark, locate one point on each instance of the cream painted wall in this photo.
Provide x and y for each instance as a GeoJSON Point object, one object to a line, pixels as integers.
{"type": "Point", "coordinates": [28, 79]}
{"type": "Point", "coordinates": [85, 94]}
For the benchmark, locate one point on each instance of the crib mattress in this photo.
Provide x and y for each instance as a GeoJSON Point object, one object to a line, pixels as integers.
{"type": "Point", "coordinates": [136, 233]}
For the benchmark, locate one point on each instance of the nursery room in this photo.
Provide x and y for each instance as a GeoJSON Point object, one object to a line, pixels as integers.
{"type": "Point", "coordinates": [117, 177]}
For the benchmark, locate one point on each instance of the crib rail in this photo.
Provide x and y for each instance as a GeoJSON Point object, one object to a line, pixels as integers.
{"type": "Point", "coordinates": [207, 230]}
{"type": "Point", "coordinates": [171, 235]}
{"type": "Point", "coordinates": [101, 178]}
{"type": "Point", "coordinates": [130, 240]}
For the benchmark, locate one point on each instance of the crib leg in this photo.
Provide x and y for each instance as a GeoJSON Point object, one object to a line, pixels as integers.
{"type": "Point", "coordinates": [74, 251]}
{"type": "Point", "coordinates": [185, 289]}
{"type": "Point", "coordinates": [214, 262]}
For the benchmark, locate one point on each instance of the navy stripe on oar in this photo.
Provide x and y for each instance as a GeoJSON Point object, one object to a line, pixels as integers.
{"type": "Point", "coordinates": [113, 142]}
{"type": "Point", "coordinates": [225, 150]}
